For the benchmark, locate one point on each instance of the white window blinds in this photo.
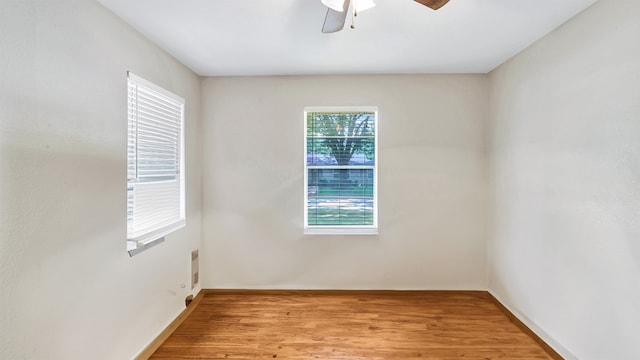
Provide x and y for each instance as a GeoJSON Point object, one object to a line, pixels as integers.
{"type": "Point", "coordinates": [155, 170]}
{"type": "Point", "coordinates": [341, 170]}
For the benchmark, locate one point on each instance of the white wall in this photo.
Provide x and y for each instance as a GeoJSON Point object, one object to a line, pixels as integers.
{"type": "Point", "coordinates": [565, 167]}
{"type": "Point", "coordinates": [565, 237]}
{"type": "Point", "coordinates": [68, 288]}
{"type": "Point", "coordinates": [432, 184]}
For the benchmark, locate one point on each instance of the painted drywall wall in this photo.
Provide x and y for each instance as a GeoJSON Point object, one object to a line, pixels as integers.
{"type": "Point", "coordinates": [432, 184]}
{"type": "Point", "coordinates": [68, 288]}
{"type": "Point", "coordinates": [565, 159]}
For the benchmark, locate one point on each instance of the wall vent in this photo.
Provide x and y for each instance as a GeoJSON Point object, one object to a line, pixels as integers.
{"type": "Point", "coordinates": [195, 275]}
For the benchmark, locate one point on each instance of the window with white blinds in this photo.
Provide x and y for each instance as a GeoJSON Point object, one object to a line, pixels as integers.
{"type": "Point", "coordinates": [155, 166]}
{"type": "Point", "coordinates": [340, 181]}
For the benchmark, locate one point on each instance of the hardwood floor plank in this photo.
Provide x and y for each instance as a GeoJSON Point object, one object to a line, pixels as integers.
{"type": "Point", "coordinates": [348, 325]}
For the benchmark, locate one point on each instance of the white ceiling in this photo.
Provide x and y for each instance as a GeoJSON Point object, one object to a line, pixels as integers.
{"type": "Point", "coordinates": [282, 37]}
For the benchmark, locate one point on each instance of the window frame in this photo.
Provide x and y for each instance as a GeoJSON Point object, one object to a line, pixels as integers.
{"type": "Point", "coordinates": [342, 229]}
{"type": "Point", "coordinates": [155, 235]}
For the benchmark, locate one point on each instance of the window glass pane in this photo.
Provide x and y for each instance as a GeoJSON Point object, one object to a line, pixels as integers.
{"type": "Point", "coordinates": [340, 196]}
{"type": "Point", "coordinates": [340, 138]}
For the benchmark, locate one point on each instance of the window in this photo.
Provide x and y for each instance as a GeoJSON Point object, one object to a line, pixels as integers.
{"type": "Point", "coordinates": [155, 166]}
{"type": "Point", "coordinates": [341, 170]}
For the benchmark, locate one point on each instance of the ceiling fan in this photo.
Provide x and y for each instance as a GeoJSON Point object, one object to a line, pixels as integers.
{"type": "Point", "coordinates": [337, 11]}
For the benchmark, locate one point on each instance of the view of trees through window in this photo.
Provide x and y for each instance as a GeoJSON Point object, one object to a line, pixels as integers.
{"type": "Point", "coordinates": [341, 168]}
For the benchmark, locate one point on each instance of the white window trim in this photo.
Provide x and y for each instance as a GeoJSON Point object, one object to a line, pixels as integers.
{"type": "Point", "coordinates": [347, 229]}
{"type": "Point", "coordinates": [154, 237]}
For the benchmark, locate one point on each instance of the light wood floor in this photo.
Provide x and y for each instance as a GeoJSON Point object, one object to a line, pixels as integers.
{"type": "Point", "coordinates": [348, 325]}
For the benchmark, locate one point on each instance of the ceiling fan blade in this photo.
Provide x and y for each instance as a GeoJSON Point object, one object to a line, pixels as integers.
{"type": "Point", "coordinates": [334, 21]}
{"type": "Point", "coordinates": [434, 4]}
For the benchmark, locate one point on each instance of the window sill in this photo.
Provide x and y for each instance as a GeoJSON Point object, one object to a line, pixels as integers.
{"type": "Point", "coordinates": [327, 230]}
{"type": "Point", "coordinates": [136, 248]}
{"type": "Point", "coordinates": [148, 240]}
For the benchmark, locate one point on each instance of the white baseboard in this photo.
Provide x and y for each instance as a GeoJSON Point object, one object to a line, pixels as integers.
{"type": "Point", "coordinates": [559, 348]}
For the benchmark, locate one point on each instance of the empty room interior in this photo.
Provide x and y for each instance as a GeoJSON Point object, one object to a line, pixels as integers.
{"type": "Point", "coordinates": [500, 155]}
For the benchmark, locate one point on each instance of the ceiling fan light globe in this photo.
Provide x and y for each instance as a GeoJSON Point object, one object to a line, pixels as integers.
{"type": "Point", "coordinates": [362, 5]}
{"type": "Point", "coordinates": [337, 5]}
